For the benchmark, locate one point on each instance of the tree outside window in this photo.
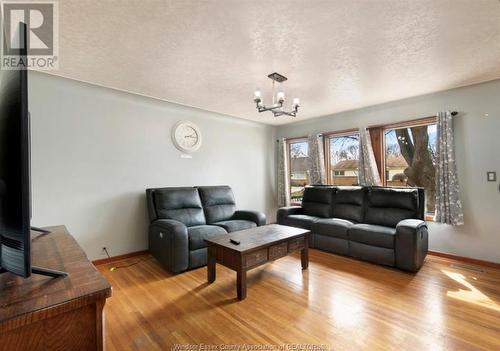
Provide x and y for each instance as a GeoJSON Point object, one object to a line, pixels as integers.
{"type": "Point", "coordinates": [410, 159]}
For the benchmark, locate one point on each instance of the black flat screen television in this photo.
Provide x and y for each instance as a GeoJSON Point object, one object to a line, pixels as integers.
{"type": "Point", "coordinates": [15, 173]}
{"type": "Point", "coordinates": [15, 238]}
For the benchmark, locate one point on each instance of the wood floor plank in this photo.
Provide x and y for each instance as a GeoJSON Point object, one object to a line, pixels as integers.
{"type": "Point", "coordinates": [339, 302]}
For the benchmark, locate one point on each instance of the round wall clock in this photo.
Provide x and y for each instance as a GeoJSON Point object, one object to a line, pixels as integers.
{"type": "Point", "coordinates": [186, 136]}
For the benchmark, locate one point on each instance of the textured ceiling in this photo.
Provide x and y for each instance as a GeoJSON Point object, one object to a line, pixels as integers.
{"type": "Point", "coordinates": [338, 55]}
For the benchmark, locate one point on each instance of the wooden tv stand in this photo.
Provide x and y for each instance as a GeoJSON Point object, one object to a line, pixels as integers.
{"type": "Point", "coordinates": [65, 313]}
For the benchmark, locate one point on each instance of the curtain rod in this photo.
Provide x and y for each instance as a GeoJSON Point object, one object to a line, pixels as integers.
{"type": "Point", "coordinates": [299, 138]}
{"type": "Point", "coordinates": [453, 113]}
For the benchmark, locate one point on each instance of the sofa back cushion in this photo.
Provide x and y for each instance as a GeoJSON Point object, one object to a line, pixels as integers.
{"type": "Point", "coordinates": [218, 203]}
{"type": "Point", "coordinates": [180, 204]}
{"type": "Point", "coordinates": [348, 203]}
{"type": "Point", "coordinates": [388, 206]}
{"type": "Point", "coordinates": [317, 201]}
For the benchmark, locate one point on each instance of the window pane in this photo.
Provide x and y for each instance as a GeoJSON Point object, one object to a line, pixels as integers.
{"type": "Point", "coordinates": [299, 170]}
{"type": "Point", "coordinates": [410, 159]}
{"type": "Point", "coordinates": [344, 155]}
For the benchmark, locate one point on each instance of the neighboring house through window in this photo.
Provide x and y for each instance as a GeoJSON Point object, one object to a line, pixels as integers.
{"type": "Point", "coordinates": [300, 165]}
{"type": "Point", "coordinates": [342, 153]}
{"type": "Point", "coordinates": [298, 175]}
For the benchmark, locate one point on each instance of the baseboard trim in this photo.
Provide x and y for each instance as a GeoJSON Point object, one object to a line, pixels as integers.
{"type": "Point", "coordinates": [119, 257]}
{"type": "Point", "coordinates": [433, 253]}
{"type": "Point", "coordinates": [465, 259]}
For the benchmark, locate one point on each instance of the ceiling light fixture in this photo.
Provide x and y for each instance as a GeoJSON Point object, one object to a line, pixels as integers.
{"type": "Point", "coordinates": [278, 99]}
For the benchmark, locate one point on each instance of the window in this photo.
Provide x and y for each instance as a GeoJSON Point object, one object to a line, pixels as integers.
{"type": "Point", "coordinates": [342, 150]}
{"type": "Point", "coordinates": [409, 157]}
{"type": "Point", "coordinates": [300, 164]}
{"type": "Point", "coordinates": [298, 176]}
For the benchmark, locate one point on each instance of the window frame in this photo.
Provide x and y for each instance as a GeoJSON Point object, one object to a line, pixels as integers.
{"type": "Point", "coordinates": [377, 136]}
{"type": "Point", "coordinates": [326, 149]}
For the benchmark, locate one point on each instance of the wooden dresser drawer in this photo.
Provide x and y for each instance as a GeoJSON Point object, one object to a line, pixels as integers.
{"type": "Point", "coordinates": [255, 258]}
{"type": "Point", "coordinates": [296, 244]}
{"type": "Point", "coordinates": [277, 251]}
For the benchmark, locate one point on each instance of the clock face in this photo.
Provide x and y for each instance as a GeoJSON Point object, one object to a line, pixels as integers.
{"type": "Point", "coordinates": [186, 136]}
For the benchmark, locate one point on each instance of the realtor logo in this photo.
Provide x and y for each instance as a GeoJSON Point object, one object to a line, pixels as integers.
{"type": "Point", "coordinates": [42, 35]}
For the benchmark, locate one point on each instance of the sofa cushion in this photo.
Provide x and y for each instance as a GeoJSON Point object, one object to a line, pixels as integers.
{"type": "Point", "coordinates": [181, 204]}
{"type": "Point", "coordinates": [348, 203]}
{"type": "Point", "coordinates": [387, 207]}
{"type": "Point", "coordinates": [334, 227]}
{"type": "Point", "coordinates": [198, 234]}
{"type": "Point", "coordinates": [235, 225]}
{"type": "Point", "coordinates": [317, 201]}
{"type": "Point", "coordinates": [218, 203]}
{"type": "Point", "coordinates": [300, 221]}
{"type": "Point", "coordinates": [374, 235]}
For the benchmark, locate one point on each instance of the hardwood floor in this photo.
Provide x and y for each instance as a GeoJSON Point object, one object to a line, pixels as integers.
{"type": "Point", "coordinates": [338, 302]}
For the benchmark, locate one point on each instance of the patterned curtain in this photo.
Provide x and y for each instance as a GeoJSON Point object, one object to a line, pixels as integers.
{"type": "Point", "coordinates": [368, 171]}
{"type": "Point", "coordinates": [283, 180]}
{"type": "Point", "coordinates": [448, 204]}
{"type": "Point", "coordinates": [316, 155]}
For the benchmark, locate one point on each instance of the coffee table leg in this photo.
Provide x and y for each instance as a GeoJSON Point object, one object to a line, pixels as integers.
{"type": "Point", "coordinates": [304, 255]}
{"type": "Point", "coordinates": [211, 265]}
{"type": "Point", "coordinates": [241, 284]}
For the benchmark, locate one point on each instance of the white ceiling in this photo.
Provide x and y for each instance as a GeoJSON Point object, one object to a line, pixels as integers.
{"type": "Point", "coordinates": [338, 55]}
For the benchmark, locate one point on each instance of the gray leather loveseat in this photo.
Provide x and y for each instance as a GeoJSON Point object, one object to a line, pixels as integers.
{"type": "Point", "coordinates": [381, 225]}
{"type": "Point", "coordinates": [182, 217]}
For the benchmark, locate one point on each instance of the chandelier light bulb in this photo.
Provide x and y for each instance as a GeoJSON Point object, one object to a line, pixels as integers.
{"type": "Point", "coordinates": [257, 96]}
{"type": "Point", "coordinates": [296, 102]}
{"type": "Point", "coordinates": [281, 97]}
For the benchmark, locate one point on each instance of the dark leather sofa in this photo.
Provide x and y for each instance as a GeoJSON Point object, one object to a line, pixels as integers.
{"type": "Point", "coordinates": [376, 224]}
{"type": "Point", "coordinates": [182, 218]}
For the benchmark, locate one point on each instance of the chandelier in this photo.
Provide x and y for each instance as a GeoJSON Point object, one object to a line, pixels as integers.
{"type": "Point", "coordinates": [278, 101]}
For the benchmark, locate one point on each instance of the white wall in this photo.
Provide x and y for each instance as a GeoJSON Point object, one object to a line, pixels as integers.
{"type": "Point", "coordinates": [478, 151]}
{"type": "Point", "coordinates": [95, 151]}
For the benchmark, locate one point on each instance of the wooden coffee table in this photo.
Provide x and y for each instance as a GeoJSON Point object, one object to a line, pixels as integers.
{"type": "Point", "coordinates": [257, 246]}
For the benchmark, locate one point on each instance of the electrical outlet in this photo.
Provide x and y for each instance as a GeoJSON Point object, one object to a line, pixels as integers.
{"type": "Point", "coordinates": [491, 176]}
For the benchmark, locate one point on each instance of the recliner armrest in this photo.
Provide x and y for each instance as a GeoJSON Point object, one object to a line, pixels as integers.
{"type": "Point", "coordinates": [412, 243]}
{"type": "Point", "coordinates": [257, 217]}
{"type": "Point", "coordinates": [170, 225]}
{"type": "Point", "coordinates": [284, 212]}
{"type": "Point", "coordinates": [168, 243]}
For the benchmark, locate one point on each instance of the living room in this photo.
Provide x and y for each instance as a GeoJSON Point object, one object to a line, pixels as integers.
{"type": "Point", "coordinates": [260, 175]}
